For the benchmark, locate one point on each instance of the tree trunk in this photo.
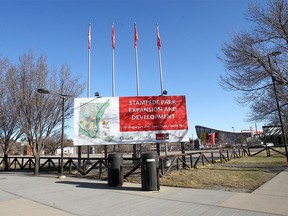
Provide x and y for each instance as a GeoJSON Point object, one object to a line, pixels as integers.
{"type": "Point", "coordinates": [37, 164]}
{"type": "Point", "coordinates": [6, 165]}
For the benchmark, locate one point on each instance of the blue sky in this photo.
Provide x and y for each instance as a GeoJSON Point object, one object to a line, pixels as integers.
{"type": "Point", "coordinates": [192, 33]}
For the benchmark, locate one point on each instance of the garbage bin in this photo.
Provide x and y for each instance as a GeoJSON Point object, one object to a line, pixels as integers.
{"type": "Point", "coordinates": [167, 162]}
{"type": "Point", "coordinates": [115, 171]}
{"type": "Point", "coordinates": [150, 171]}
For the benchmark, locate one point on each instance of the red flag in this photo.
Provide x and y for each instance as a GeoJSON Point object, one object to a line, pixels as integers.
{"type": "Point", "coordinates": [135, 36]}
{"type": "Point", "coordinates": [89, 37]}
{"type": "Point", "coordinates": [113, 37]}
{"type": "Point", "coordinates": [158, 37]}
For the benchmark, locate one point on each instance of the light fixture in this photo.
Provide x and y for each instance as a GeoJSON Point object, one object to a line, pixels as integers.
{"type": "Point", "coordinates": [63, 97]}
{"type": "Point", "coordinates": [164, 92]}
{"type": "Point", "coordinates": [97, 94]}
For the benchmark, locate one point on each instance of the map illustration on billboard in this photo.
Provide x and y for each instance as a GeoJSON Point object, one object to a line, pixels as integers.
{"type": "Point", "coordinates": [130, 120]}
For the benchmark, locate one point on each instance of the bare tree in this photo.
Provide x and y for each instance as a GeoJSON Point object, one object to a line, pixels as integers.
{"type": "Point", "coordinates": [9, 127]}
{"type": "Point", "coordinates": [53, 142]}
{"type": "Point", "coordinates": [255, 57]}
{"type": "Point", "coordinates": [40, 115]}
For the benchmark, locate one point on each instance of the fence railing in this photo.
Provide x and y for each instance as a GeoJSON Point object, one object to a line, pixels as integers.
{"type": "Point", "coordinates": [95, 165]}
{"type": "Point", "coordinates": [192, 160]}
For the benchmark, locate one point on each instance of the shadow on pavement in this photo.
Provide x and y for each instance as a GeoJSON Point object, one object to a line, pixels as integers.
{"type": "Point", "coordinates": [98, 185]}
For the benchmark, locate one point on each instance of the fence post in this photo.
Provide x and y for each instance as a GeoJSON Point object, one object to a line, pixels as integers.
{"type": "Point", "coordinates": [212, 158]}
{"type": "Point", "coordinates": [183, 152]}
{"type": "Point", "coordinates": [30, 163]}
{"type": "Point", "coordinates": [161, 165]}
{"type": "Point", "coordinates": [202, 158]}
{"type": "Point", "coordinates": [220, 153]}
{"type": "Point", "coordinates": [49, 165]}
{"type": "Point", "coordinates": [191, 160]}
{"type": "Point", "coordinates": [100, 168]}
{"type": "Point", "coordinates": [70, 167]}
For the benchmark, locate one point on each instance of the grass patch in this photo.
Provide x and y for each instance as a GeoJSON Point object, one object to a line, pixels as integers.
{"type": "Point", "coordinates": [218, 177]}
{"type": "Point", "coordinates": [242, 175]}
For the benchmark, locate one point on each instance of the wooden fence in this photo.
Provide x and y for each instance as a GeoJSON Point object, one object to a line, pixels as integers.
{"type": "Point", "coordinates": [85, 166]}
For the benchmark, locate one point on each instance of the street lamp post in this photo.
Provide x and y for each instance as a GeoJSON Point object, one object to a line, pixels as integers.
{"type": "Point", "coordinates": [63, 97]}
{"type": "Point", "coordinates": [62, 138]}
{"type": "Point", "coordinates": [277, 102]}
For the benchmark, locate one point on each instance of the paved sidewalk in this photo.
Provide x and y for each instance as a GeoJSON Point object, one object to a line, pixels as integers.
{"type": "Point", "coordinates": [23, 194]}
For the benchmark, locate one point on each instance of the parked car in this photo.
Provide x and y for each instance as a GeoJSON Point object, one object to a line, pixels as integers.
{"type": "Point", "coordinates": [269, 144]}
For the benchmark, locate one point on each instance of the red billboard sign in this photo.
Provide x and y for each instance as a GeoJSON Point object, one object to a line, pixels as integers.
{"type": "Point", "coordinates": [152, 113]}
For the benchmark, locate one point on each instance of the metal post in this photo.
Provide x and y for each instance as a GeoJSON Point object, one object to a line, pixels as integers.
{"type": "Point", "coordinates": [277, 102]}
{"type": "Point", "coordinates": [183, 152]}
{"type": "Point", "coordinates": [158, 148]}
{"type": "Point", "coordinates": [62, 96]}
{"type": "Point", "coordinates": [88, 88]}
{"type": "Point", "coordinates": [113, 77]}
{"type": "Point", "coordinates": [62, 138]}
{"type": "Point", "coordinates": [280, 117]}
{"type": "Point", "coordinates": [137, 80]}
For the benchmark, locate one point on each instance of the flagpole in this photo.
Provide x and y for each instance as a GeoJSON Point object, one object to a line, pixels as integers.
{"type": "Point", "coordinates": [88, 92]}
{"type": "Point", "coordinates": [137, 74]}
{"type": "Point", "coordinates": [113, 79]}
{"type": "Point", "coordinates": [160, 69]}
{"type": "Point", "coordinates": [113, 48]}
{"type": "Point", "coordinates": [137, 81]}
{"type": "Point", "coordinates": [89, 47]}
{"type": "Point", "coordinates": [113, 91]}
{"type": "Point", "coordinates": [159, 57]}
{"type": "Point", "coordinates": [88, 88]}
{"type": "Point", "coordinates": [113, 76]}
{"type": "Point", "coordinates": [136, 58]}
